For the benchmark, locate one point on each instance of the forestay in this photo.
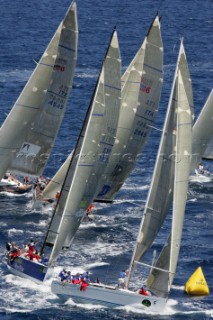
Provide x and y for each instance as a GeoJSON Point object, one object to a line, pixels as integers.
{"type": "Point", "coordinates": [141, 89]}
{"type": "Point", "coordinates": [37, 114]}
{"type": "Point", "coordinates": [91, 154]}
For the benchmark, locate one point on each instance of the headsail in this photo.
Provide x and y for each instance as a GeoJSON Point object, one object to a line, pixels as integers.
{"type": "Point", "coordinates": [91, 153]}
{"type": "Point", "coordinates": [141, 89]}
{"type": "Point", "coordinates": [202, 143]}
{"type": "Point", "coordinates": [183, 148]}
{"type": "Point", "coordinates": [56, 182]}
{"type": "Point", "coordinates": [37, 114]}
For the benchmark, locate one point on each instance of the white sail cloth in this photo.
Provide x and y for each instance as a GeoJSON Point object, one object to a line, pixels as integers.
{"type": "Point", "coordinates": [90, 155]}
{"type": "Point", "coordinates": [28, 133]}
{"type": "Point", "coordinates": [202, 144]}
{"type": "Point", "coordinates": [170, 178]}
{"type": "Point", "coordinates": [141, 89]}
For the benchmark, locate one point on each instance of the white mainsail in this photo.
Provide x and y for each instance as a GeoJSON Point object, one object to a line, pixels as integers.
{"type": "Point", "coordinates": [169, 168]}
{"type": "Point", "coordinates": [91, 154]}
{"type": "Point", "coordinates": [161, 189]}
{"type": "Point", "coordinates": [141, 89]}
{"type": "Point", "coordinates": [160, 282]}
{"type": "Point", "coordinates": [202, 143]}
{"type": "Point", "coordinates": [28, 133]}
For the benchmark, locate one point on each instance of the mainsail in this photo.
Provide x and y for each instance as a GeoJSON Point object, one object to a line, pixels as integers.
{"type": "Point", "coordinates": [28, 133]}
{"type": "Point", "coordinates": [141, 89]}
{"type": "Point", "coordinates": [183, 148]}
{"type": "Point", "coordinates": [170, 175]}
{"type": "Point", "coordinates": [91, 154]}
{"type": "Point", "coordinates": [202, 143]}
{"type": "Point", "coordinates": [161, 189]}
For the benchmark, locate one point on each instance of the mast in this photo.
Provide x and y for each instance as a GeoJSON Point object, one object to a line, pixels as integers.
{"type": "Point", "coordinates": [90, 155]}
{"type": "Point", "coordinates": [158, 282]}
{"type": "Point", "coordinates": [161, 188]}
{"type": "Point", "coordinates": [141, 89]}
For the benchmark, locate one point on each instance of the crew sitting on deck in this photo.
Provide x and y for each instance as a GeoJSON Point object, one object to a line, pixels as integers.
{"type": "Point", "coordinates": [25, 248]}
{"type": "Point", "coordinates": [68, 277]}
{"type": "Point", "coordinates": [122, 279]}
{"type": "Point", "coordinates": [62, 275]}
{"type": "Point", "coordinates": [8, 247]}
{"type": "Point", "coordinates": [14, 252]}
{"type": "Point", "coordinates": [76, 278]}
{"type": "Point", "coordinates": [31, 246]}
{"type": "Point", "coordinates": [144, 292]}
{"type": "Point", "coordinates": [43, 259]}
{"type": "Point", "coordinates": [85, 277]}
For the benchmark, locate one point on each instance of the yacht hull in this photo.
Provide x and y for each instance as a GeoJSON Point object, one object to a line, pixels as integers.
{"type": "Point", "coordinates": [109, 296]}
{"type": "Point", "coordinates": [25, 268]}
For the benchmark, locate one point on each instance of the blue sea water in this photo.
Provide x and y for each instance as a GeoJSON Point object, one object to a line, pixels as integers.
{"type": "Point", "coordinates": [105, 245]}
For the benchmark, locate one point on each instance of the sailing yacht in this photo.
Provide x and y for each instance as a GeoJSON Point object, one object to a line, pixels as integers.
{"type": "Point", "coordinates": [85, 168]}
{"type": "Point", "coordinates": [169, 182]}
{"type": "Point", "coordinates": [29, 131]}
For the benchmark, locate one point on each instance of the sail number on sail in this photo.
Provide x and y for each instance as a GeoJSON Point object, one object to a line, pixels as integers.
{"type": "Point", "coordinates": [57, 100]}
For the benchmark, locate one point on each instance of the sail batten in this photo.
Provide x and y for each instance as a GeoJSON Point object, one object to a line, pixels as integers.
{"type": "Point", "coordinates": [141, 89]}
{"type": "Point", "coordinates": [85, 170]}
{"type": "Point", "coordinates": [159, 282]}
{"type": "Point", "coordinates": [161, 189]}
{"type": "Point", "coordinates": [48, 88]}
{"type": "Point", "coordinates": [170, 177]}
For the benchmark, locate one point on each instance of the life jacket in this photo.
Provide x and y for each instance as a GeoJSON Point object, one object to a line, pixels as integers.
{"type": "Point", "coordinates": [143, 292]}
{"type": "Point", "coordinates": [83, 286]}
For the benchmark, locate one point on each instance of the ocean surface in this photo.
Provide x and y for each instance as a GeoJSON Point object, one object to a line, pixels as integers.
{"type": "Point", "coordinates": [105, 245]}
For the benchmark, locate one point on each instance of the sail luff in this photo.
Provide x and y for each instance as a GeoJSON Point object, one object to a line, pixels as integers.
{"type": "Point", "coordinates": [37, 114]}
{"type": "Point", "coordinates": [202, 143]}
{"type": "Point", "coordinates": [94, 150]}
{"type": "Point", "coordinates": [141, 89]}
{"type": "Point", "coordinates": [149, 210]}
{"type": "Point", "coordinates": [182, 170]}
{"type": "Point", "coordinates": [112, 98]}
{"type": "Point", "coordinates": [158, 282]}
{"type": "Point", "coordinates": [161, 188]}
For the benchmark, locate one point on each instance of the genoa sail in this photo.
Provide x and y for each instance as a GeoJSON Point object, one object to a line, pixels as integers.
{"type": "Point", "coordinates": [203, 133]}
{"type": "Point", "coordinates": [56, 182]}
{"type": "Point", "coordinates": [37, 114]}
{"type": "Point", "coordinates": [170, 172]}
{"type": "Point", "coordinates": [141, 89]}
{"type": "Point", "coordinates": [91, 154]}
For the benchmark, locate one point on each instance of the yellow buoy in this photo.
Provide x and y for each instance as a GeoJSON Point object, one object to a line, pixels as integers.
{"type": "Point", "coordinates": [196, 284]}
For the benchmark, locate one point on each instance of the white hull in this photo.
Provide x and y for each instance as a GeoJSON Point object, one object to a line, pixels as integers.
{"type": "Point", "coordinates": [108, 296]}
